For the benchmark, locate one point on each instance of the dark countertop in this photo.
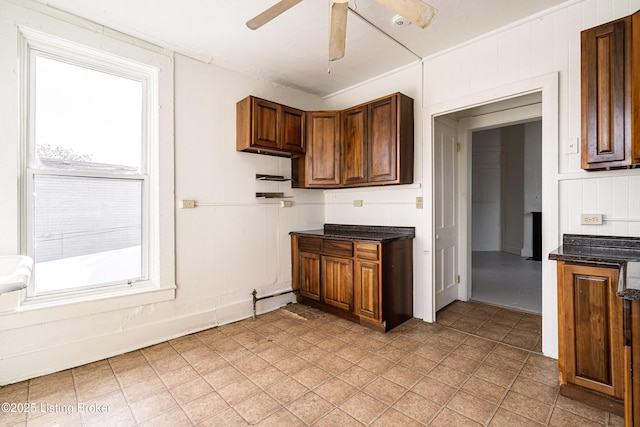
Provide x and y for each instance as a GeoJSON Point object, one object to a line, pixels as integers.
{"type": "Point", "coordinates": [370, 233]}
{"type": "Point", "coordinates": [621, 252]}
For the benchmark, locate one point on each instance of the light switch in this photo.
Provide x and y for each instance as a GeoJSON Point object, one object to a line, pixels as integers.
{"type": "Point", "coordinates": [571, 146]}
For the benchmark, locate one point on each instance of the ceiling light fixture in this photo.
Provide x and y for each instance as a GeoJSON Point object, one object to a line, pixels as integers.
{"type": "Point", "coordinates": [399, 21]}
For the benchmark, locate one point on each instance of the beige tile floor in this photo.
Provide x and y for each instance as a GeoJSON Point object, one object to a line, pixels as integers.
{"type": "Point", "coordinates": [297, 366]}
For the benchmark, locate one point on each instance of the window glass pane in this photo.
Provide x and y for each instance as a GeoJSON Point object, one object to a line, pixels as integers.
{"type": "Point", "coordinates": [88, 231]}
{"type": "Point", "coordinates": [86, 119]}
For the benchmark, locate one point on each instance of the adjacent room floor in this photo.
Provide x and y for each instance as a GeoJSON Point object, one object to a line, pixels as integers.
{"type": "Point", "coordinates": [297, 366]}
{"type": "Point", "coordinates": [507, 280]}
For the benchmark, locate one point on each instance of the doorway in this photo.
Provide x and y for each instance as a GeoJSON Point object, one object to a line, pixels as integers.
{"type": "Point", "coordinates": [506, 196]}
{"type": "Point", "coordinates": [485, 197]}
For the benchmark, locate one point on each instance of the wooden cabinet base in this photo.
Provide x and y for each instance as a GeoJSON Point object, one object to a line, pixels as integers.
{"type": "Point", "coordinates": [593, 398]}
{"type": "Point", "coordinates": [378, 326]}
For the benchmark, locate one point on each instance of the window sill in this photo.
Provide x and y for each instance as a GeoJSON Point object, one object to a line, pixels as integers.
{"type": "Point", "coordinates": [15, 312]}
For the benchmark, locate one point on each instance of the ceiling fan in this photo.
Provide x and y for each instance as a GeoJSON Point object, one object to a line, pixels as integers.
{"type": "Point", "coordinates": [416, 11]}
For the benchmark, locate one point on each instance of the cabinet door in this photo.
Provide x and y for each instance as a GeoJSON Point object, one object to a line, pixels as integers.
{"type": "Point", "coordinates": [292, 130]}
{"type": "Point", "coordinates": [383, 140]}
{"type": "Point", "coordinates": [265, 123]}
{"type": "Point", "coordinates": [606, 95]}
{"type": "Point", "coordinates": [591, 329]}
{"type": "Point", "coordinates": [309, 271]}
{"type": "Point", "coordinates": [367, 286]}
{"type": "Point", "coordinates": [323, 151]}
{"type": "Point", "coordinates": [367, 280]}
{"type": "Point", "coordinates": [337, 282]}
{"type": "Point", "coordinates": [355, 146]}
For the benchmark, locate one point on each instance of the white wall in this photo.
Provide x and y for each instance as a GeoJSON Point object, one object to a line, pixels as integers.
{"type": "Point", "coordinates": [512, 138]}
{"type": "Point", "coordinates": [486, 166]}
{"type": "Point", "coordinates": [518, 57]}
{"type": "Point", "coordinates": [229, 245]}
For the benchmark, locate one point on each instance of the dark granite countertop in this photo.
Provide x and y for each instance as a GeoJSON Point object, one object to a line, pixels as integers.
{"type": "Point", "coordinates": [622, 252]}
{"type": "Point", "coordinates": [370, 233]}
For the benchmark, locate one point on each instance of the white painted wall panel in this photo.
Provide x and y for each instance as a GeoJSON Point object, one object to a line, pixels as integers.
{"type": "Point", "coordinates": [227, 246]}
{"type": "Point", "coordinates": [546, 44]}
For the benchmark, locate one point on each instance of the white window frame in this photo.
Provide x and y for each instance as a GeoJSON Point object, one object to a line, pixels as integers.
{"type": "Point", "coordinates": [37, 43]}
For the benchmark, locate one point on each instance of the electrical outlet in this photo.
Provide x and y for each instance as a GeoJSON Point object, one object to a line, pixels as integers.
{"type": "Point", "coordinates": [187, 204]}
{"type": "Point", "coordinates": [591, 219]}
{"type": "Point", "coordinates": [286, 203]}
{"type": "Point", "coordinates": [419, 202]}
{"type": "Point", "coordinates": [357, 203]}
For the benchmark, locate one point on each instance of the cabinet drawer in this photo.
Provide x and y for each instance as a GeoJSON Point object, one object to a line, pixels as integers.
{"type": "Point", "coordinates": [368, 251]}
{"type": "Point", "coordinates": [342, 248]}
{"type": "Point", "coordinates": [309, 244]}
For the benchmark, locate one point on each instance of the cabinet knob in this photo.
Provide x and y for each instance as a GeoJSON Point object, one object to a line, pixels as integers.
{"type": "Point", "coordinates": [437, 236]}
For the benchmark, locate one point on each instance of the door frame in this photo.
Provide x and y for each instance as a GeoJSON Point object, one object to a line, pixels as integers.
{"type": "Point", "coordinates": [548, 85]}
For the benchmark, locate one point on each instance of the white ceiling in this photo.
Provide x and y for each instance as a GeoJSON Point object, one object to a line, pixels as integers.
{"type": "Point", "coordinates": [292, 49]}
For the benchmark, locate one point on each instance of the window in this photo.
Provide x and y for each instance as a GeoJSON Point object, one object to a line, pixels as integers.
{"type": "Point", "coordinates": [88, 169]}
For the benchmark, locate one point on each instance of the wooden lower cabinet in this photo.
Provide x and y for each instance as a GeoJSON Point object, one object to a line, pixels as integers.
{"type": "Point", "coordinates": [366, 282]}
{"type": "Point", "coordinates": [590, 332]}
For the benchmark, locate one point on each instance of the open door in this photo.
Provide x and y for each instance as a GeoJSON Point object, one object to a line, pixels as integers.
{"type": "Point", "coordinates": [445, 215]}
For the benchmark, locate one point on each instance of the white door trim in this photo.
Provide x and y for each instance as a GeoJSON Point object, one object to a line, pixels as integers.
{"type": "Point", "coordinates": [548, 85]}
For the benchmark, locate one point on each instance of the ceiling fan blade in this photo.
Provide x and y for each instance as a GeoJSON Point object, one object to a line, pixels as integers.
{"type": "Point", "coordinates": [272, 12]}
{"type": "Point", "coordinates": [338, 34]}
{"type": "Point", "coordinates": [416, 11]}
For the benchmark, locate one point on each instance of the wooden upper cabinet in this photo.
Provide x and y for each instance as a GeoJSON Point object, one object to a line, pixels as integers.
{"type": "Point", "coordinates": [377, 145]}
{"type": "Point", "coordinates": [270, 128]}
{"type": "Point", "coordinates": [609, 59]}
{"type": "Point", "coordinates": [322, 162]}
{"type": "Point", "coordinates": [355, 145]}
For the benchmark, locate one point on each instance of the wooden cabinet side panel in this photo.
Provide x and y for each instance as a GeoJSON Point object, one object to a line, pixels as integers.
{"type": "Point", "coordinates": [295, 271]}
{"type": "Point", "coordinates": [635, 89]}
{"type": "Point", "coordinates": [355, 146]}
{"type": "Point", "coordinates": [337, 282]}
{"type": "Point", "coordinates": [635, 361]}
{"type": "Point", "coordinates": [383, 142]}
{"type": "Point", "coordinates": [397, 282]}
{"type": "Point", "coordinates": [605, 80]}
{"type": "Point", "coordinates": [406, 140]}
{"type": "Point", "coordinates": [562, 327]}
{"type": "Point", "coordinates": [592, 336]}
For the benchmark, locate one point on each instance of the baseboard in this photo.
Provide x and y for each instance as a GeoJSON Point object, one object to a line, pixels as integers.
{"type": "Point", "coordinates": [593, 398]}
